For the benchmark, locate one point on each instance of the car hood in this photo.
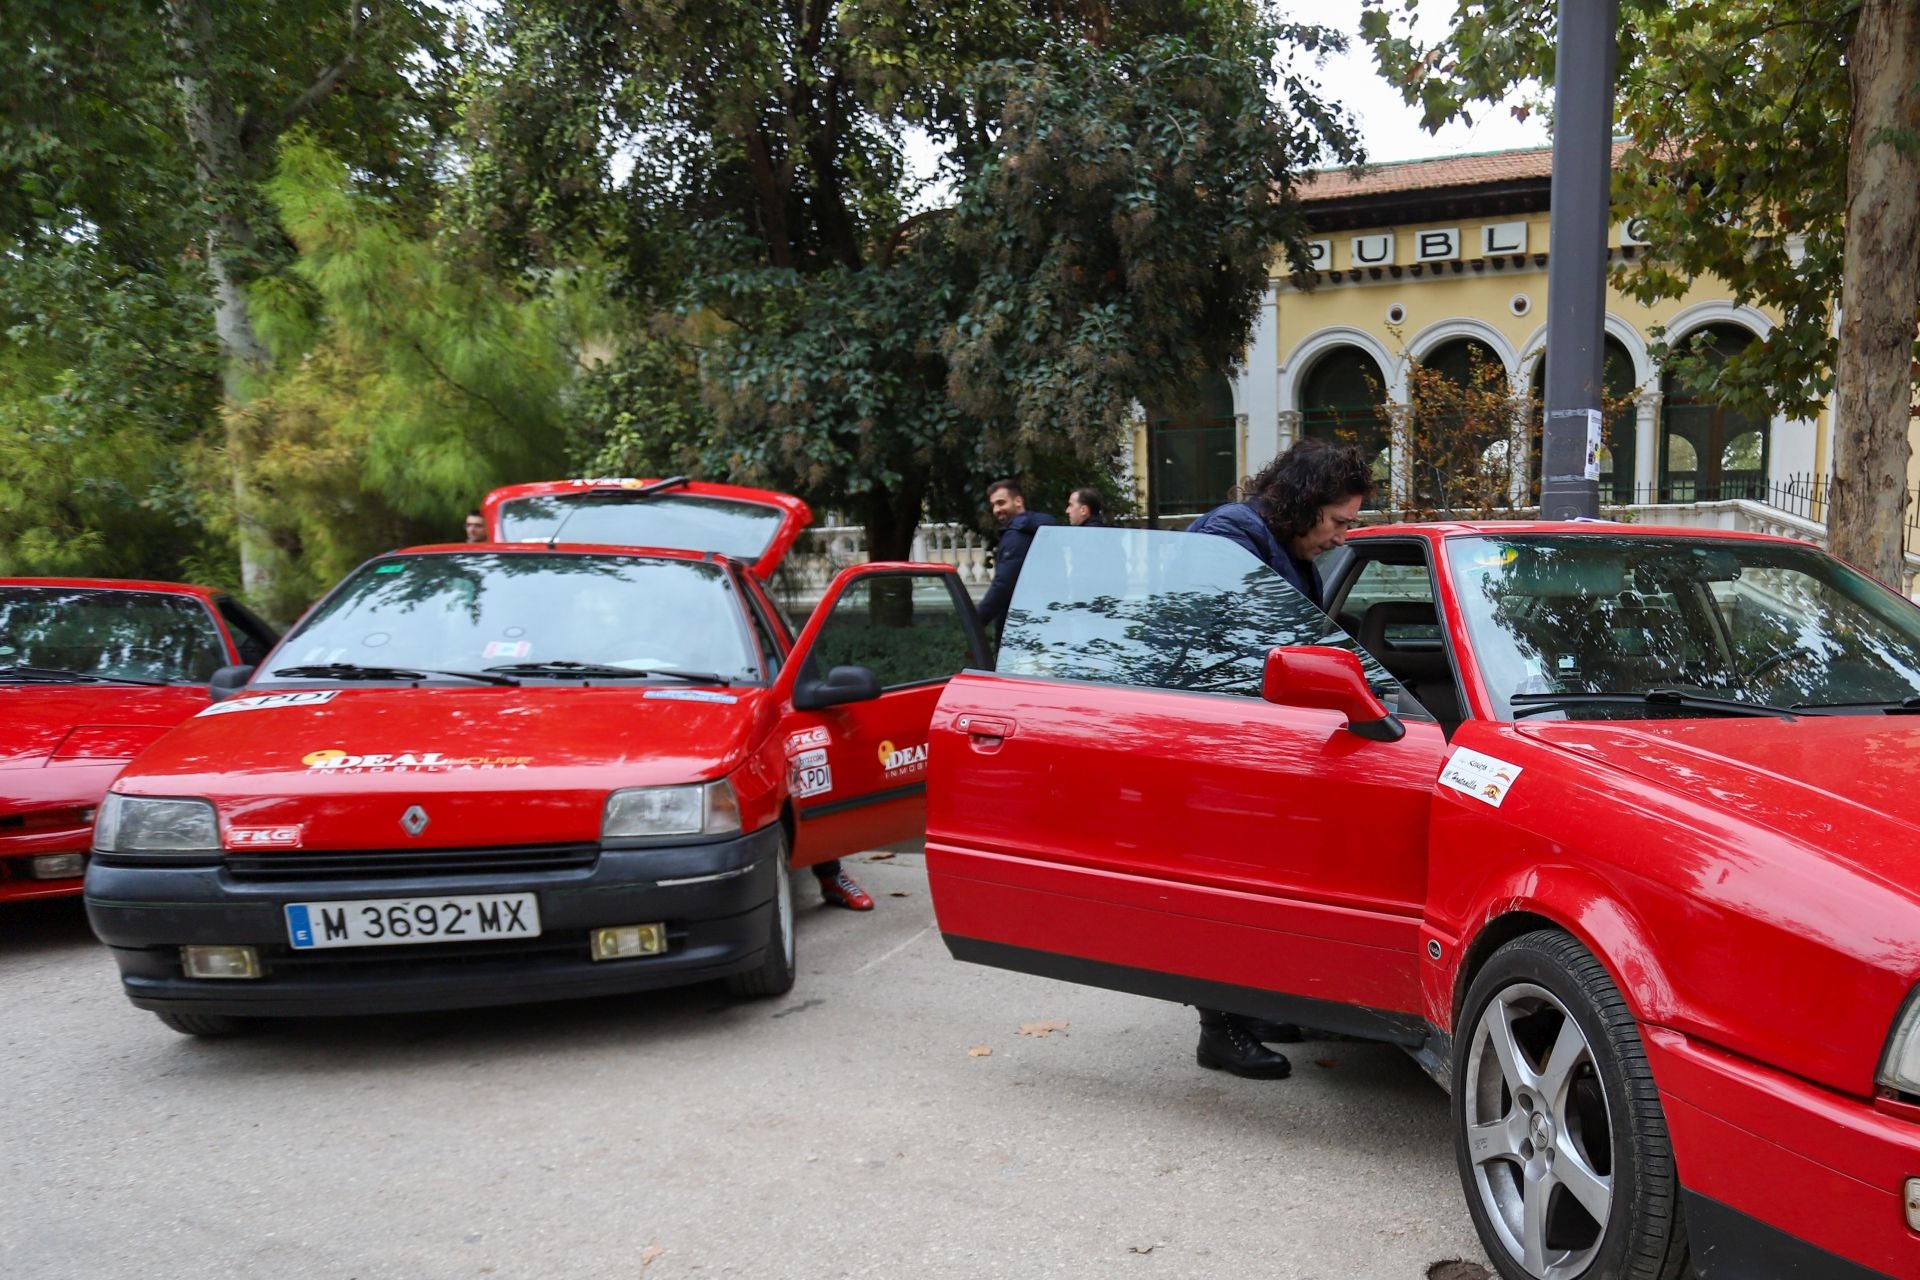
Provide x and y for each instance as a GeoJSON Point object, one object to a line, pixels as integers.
{"type": "Point", "coordinates": [489, 765]}
{"type": "Point", "coordinates": [1846, 786]}
{"type": "Point", "coordinates": [95, 723]}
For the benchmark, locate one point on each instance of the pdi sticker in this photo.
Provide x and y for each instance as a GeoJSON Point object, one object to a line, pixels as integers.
{"type": "Point", "coordinates": [1485, 778]}
{"type": "Point", "coordinates": [268, 701]}
{"type": "Point", "coordinates": [808, 774]}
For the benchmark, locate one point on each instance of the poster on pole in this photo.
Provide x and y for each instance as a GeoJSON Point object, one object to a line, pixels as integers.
{"type": "Point", "coordinates": [1595, 436]}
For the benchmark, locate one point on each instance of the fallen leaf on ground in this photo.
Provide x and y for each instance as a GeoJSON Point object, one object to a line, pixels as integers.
{"type": "Point", "coordinates": [980, 1051]}
{"type": "Point", "coordinates": [648, 1254]}
{"type": "Point", "coordinates": [1326, 1063]}
{"type": "Point", "coordinates": [882, 856]}
{"type": "Point", "coordinates": [1142, 1248]}
{"type": "Point", "coordinates": [899, 893]}
{"type": "Point", "coordinates": [1456, 1269]}
{"type": "Point", "coordinates": [1041, 1028]}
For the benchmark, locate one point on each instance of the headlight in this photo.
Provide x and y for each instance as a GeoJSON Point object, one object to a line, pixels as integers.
{"type": "Point", "coordinates": [1900, 1064]}
{"type": "Point", "coordinates": [138, 824]}
{"type": "Point", "coordinates": [705, 809]}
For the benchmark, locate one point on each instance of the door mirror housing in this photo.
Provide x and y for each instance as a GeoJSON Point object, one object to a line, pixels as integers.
{"type": "Point", "coordinates": [842, 685]}
{"type": "Point", "coordinates": [227, 681]}
{"type": "Point", "coordinates": [1332, 680]}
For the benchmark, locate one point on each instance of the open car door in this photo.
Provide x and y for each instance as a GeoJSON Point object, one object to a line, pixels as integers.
{"type": "Point", "coordinates": [755, 527]}
{"type": "Point", "coordinates": [857, 697]}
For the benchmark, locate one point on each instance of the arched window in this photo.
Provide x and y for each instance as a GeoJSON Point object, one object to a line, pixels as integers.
{"type": "Point", "coordinates": [1340, 400]}
{"type": "Point", "coordinates": [1462, 422]}
{"type": "Point", "coordinates": [1710, 452]}
{"type": "Point", "coordinates": [1193, 450]}
{"type": "Point", "coordinates": [1620, 446]}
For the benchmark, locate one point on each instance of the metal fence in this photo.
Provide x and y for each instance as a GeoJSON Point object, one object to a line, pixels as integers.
{"type": "Point", "coordinates": [1802, 495]}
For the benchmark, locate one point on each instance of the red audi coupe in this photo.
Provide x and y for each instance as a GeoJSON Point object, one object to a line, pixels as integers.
{"type": "Point", "coordinates": [1615, 830]}
{"type": "Point", "coordinates": [529, 769]}
{"type": "Point", "coordinates": [91, 671]}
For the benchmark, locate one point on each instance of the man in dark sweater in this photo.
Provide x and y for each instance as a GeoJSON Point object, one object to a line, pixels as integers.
{"type": "Point", "coordinates": [1008, 501]}
{"type": "Point", "coordinates": [1299, 507]}
{"type": "Point", "coordinates": [1085, 510]}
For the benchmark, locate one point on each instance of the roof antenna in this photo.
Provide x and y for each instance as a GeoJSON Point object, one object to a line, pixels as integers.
{"type": "Point", "coordinates": [614, 491]}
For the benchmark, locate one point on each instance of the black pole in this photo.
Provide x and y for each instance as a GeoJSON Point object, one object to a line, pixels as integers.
{"type": "Point", "coordinates": [1577, 270]}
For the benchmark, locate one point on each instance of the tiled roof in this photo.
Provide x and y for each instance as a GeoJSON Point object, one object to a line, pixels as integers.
{"type": "Point", "coordinates": [1485, 169]}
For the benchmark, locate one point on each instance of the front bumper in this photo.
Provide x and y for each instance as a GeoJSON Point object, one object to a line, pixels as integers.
{"type": "Point", "coordinates": [717, 900]}
{"type": "Point", "coordinates": [1783, 1177]}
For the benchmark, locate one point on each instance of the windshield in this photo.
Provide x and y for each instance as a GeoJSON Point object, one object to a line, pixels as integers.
{"type": "Point", "coordinates": [104, 634]}
{"type": "Point", "coordinates": [1750, 622]}
{"type": "Point", "coordinates": [1163, 610]}
{"type": "Point", "coordinates": [469, 611]}
{"type": "Point", "coordinates": [679, 521]}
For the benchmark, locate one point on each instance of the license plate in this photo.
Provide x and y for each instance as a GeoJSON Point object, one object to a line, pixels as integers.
{"type": "Point", "coordinates": [388, 922]}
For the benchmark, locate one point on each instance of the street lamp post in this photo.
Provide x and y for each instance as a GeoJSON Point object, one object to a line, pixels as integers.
{"type": "Point", "coordinates": [1577, 270]}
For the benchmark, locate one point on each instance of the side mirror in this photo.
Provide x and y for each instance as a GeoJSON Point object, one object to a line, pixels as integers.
{"type": "Point", "coordinates": [1333, 680]}
{"type": "Point", "coordinates": [843, 684]}
{"type": "Point", "coordinates": [228, 681]}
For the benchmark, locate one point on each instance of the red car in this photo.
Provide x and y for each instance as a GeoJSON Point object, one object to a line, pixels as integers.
{"type": "Point", "coordinates": [489, 773]}
{"type": "Point", "coordinates": [1615, 830]}
{"type": "Point", "coordinates": [91, 671]}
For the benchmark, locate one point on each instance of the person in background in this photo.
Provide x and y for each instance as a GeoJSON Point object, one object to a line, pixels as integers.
{"type": "Point", "coordinates": [476, 527]}
{"type": "Point", "coordinates": [1007, 499]}
{"type": "Point", "coordinates": [1084, 508]}
{"type": "Point", "coordinates": [1298, 507]}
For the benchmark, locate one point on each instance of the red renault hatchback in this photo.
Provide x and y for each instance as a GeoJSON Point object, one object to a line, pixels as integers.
{"type": "Point", "coordinates": [513, 771]}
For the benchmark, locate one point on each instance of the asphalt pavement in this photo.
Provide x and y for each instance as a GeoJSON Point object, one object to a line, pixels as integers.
{"type": "Point", "coordinates": [899, 1114]}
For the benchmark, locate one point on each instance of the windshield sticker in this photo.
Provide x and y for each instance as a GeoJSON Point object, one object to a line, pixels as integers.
{"type": "Point", "coordinates": [1485, 778]}
{"type": "Point", "coordinates": [905, 760]}
{"type": "Point", "coordinates": [507, 649]}
{"type": "Point", "coordinates": [690, 695]}
{"type": "Point", "coordinates": [268, 701]}
{"type": "Point", "coordinates": [265, 837]}
{"type": "Point", "coordinates": [333, 760]}
{"type": "Point", "coordinates": [388, 568]}
{"type": "Point", "coordinates": [807, 739]}
{"type": "Point", "coordinates": [808, 774]}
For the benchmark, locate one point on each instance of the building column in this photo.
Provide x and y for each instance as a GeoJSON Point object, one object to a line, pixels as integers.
{"type": "Point", "coordinates": [1646, 446]}
{"type": "Point", "coordinates": [1400, 455]}
{"type": "Point", "coordinates": [1256, 392]}
{"type": "Point", "coordinates": [1286, 431]}
{"type": "Point", "coordinates": [1520, 470]}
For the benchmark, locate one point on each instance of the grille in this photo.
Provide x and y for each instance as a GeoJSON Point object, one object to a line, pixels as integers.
{"type": "Point", "coordinates": [319, 865]}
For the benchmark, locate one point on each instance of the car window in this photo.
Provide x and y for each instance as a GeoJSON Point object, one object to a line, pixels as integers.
{"type": "Point", "coordinates": [252, 637]}
{"type": "Point", "coordinates": [95, 632]}
{"type": "Point", "coordinates": [467, 611]}
{"type": "Point", "coordinates": [910, 628]}
{"type": "Point", "coordinates": [677, 521]}
{"type": "Point", "coordinates": [1750, 621]}
{"type": "Point", "coordinates": [1381, 583]}
{"type": "Point", "coordinates": [1162, 610]}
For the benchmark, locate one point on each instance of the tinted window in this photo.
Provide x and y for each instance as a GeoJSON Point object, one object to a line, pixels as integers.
{"type": "Point", "coordinates": [466, 611]}
{"type": "Point", "coordinates": [134, 635]}
{"type": "Point", "coordinates": [908, 627]}
{"type": "Point", "coordinates": [681, 522]}
{"type": "Point", "coordinates": [1167, 610]}
{"type": "Point", "coordinates": [251, 636]}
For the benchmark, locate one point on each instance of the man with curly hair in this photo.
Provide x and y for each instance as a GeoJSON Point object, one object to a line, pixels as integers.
{"type": "Point", "coordinates": [1297, 508]}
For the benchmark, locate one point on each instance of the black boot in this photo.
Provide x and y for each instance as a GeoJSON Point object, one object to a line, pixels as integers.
{"type": "Point", "coordinates": [1227, 1045]}
{"type": "Point", "coordinates": [1274, 1032]}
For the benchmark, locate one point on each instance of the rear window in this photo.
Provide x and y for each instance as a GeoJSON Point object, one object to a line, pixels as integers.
{"type": "Point", "coordinates": [92, 631]}
{"type": "Point", "coordinates": [679, 522]}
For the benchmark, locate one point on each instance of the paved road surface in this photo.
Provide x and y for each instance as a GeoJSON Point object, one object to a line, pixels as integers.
{"type": "Point", "coordinates": [841, 1131]}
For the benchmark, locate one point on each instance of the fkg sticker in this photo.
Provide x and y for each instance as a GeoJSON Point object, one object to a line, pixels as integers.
{"type": "Point", "coordinates": [1483, 777]}
{"type": "Point", "coordinates": [268, 701]}
{"type": "Point", "coordinates": [806, 739]}
{"type": "Point", "coordinates": [265, 837]}
{"type": "Point", "coordinates": [808, 774]}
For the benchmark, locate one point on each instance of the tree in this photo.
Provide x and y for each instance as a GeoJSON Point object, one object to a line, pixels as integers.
{"type": "Point", "coordinates": [1776, 147]}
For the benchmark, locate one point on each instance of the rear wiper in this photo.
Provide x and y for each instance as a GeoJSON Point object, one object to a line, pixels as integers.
{"type": "Point", "coordinates": [56, 675]}
{"type": "Point", "coordinates": [354, 671]}
{"type": "Point", "coordinates": [561, 667]}
{"type": "Point", "coordinates": [616, 492]}
{"type": "Point", "coordinates": [1528, 703]}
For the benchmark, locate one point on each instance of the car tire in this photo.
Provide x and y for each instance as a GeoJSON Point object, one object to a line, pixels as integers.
{"type": "Point", "coordinates": [774, 975]}
{"type": "Point", "coordinates": [1561, 1143]}
{"type": "Point", "coordinates": [203, 1024]}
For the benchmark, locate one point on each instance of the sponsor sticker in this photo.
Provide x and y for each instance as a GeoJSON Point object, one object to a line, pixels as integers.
{"type": "Point", "coordinates": [388, 568]}
{"type": "Point", "coordinates": [690, 695]}
{"type": "Point", "coordinates": [605, 482]}
{"type": "Point", "coordinates": [507, 649]}
{"type": "Point", "coordinates": [902, 760]}
{"type": "Point", "coordinates": [806, 739]}
{"type": "Point", "coordinates": [287, 837]}
{"type": "Point", "coordinates": [268, 701]}
{"type": "Point", "coordinates": [1485, 778]}
{"type": "Point", "coordinates": [808, 774]}
{"type": "Point", "coordinates": [334, 760]}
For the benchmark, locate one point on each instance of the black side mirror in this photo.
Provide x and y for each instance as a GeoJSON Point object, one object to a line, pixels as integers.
{"type": "Point", "coordinates": [228, 681]}
{"type": "Point", "coordinates": [843, 684]}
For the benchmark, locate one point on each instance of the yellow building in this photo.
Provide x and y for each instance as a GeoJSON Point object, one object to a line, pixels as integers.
{"type": "Point", "coordinates": [1435, 261]}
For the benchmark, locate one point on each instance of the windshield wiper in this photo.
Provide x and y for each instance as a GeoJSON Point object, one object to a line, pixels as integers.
{"type": "Point", "coordinates": [1526, 704]}
{"type": "Point", "coordinates": [56, 675]}
{"type": "Point", "coordinates": [1899, 707]}
{"type": "Point", "coordinates": [561, 667]}
{"type": "Point", "coordinates": [354, 671]}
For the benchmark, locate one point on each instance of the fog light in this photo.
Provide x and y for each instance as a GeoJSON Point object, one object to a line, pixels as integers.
{"type": "Point", "coordinates": [1913, 1203]}
{"type": "Point", "coordinates": [220, 962]}
{"type": "Point", "coordinates": [57, 866]}
{"type": "Point", "coordinates": [624, 941]}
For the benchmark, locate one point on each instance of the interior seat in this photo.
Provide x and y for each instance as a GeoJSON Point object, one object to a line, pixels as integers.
{"type": "Point", "coordinates": [1424, 670]}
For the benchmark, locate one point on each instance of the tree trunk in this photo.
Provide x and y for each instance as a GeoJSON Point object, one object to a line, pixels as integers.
{"type": "Point", "coordinates": [1880, 296]}
{"type": "Point", "coordinates": [892, 517]}
{"type": "Point", "coordinates": [213, 130]}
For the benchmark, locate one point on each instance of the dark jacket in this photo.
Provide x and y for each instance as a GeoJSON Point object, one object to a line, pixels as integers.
{"type": "Point", "coordinates": [1240, 522]}
{"type": "Point", "coordinates": [1008, 556]}
{"type": "Point", "coordinates": [1095, 521]}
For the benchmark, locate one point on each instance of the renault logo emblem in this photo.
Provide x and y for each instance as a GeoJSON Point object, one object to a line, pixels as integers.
{"type": "Point", "coordinates": [414, 820]}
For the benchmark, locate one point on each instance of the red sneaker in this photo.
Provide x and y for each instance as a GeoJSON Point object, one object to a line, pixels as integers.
{"type": "Point", "coordinates": [840, 891]}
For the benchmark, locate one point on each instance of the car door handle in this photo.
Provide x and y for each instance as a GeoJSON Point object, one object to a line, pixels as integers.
{"type": "Point", "coordinates": [985, 733]}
